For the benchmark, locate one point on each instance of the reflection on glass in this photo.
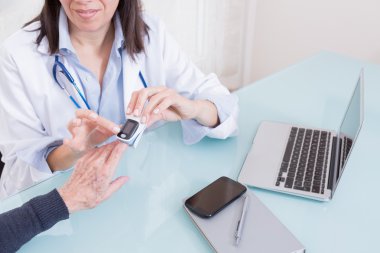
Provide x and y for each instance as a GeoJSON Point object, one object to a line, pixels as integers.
{"type": "Point", "coordinates": [350, 127]}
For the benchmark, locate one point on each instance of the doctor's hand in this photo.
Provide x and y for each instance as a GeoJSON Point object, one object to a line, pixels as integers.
{"type": "Point", "coordinates": [89, 130]}
{"type": "Point", "coordinates": [91, 182]}
{"type": "Point", "coordinates": [161, 103]}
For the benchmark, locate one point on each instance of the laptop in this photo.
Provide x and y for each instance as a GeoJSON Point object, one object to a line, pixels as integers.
{"type": "Point", "coordinates": [303, 161]}
{"type": "Point", "coordinates": [262, 230]}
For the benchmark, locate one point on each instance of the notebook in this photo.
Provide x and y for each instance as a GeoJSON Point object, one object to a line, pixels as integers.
{"type": "Point", "coordinates": [262, 231]}
{"type": "Point", "coordinates": [302, 161]}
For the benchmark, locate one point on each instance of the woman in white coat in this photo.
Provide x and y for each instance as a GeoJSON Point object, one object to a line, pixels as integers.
{"type": "Point", "coordinates": [98, 55]}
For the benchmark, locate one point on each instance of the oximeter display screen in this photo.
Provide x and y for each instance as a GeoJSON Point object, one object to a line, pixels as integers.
{"type": "Point", "coordinates": [129, 129]}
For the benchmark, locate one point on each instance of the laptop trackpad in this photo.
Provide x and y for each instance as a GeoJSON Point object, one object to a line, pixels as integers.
{"type": "Point", "coordinates": [264, 159]}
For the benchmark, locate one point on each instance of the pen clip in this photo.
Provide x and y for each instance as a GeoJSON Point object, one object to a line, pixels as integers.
{"type": "Point", "coordinates": [237, 229]}
{"type": "Point", "coordinates": [240, 223]}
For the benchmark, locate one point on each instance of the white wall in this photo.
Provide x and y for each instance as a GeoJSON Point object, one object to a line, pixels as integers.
{"type": "Point", "coordinates": [14, 14]}
{"type": "Point", "coordinates": [217, 34]}
{"type": "Point", "coordinates": [287, 31]}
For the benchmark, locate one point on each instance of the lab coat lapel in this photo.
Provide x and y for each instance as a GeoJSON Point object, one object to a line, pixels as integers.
{"type": "Point", "coordinates": [69, 87]}
{"type": "Point", "coordinates": [131, 81]}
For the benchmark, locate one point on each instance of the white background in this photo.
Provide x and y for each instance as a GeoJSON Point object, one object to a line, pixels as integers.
{"type": "Point", "coordinates": [290, 30]}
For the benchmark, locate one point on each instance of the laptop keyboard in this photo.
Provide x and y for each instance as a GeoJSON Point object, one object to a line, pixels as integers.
{"type": "Point", "coordinates": [345, 147]}
{"type": "Point", "coordinates": [304, 165]}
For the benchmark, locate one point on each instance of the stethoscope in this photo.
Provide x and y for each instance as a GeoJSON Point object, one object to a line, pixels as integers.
{"type": "Point", "coordinates": [58, 66]}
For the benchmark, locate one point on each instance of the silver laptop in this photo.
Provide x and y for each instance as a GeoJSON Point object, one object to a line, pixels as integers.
{"type": "Point", "coordinates": [302, 161]}
{"type": "Point", "coordinates": [262, 231]}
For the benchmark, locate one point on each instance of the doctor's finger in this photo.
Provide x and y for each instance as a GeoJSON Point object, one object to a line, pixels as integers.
{"type": "Point", "coordinates": [153, 118]}
{"type": "Point", "coordinates": [74, 146]}
{"type": "Point", "coordinates": [68, 142]}
{"type": "Point", "coordinates": [73, 124]}
{"type": "Point", "coordinates": [97, 120]}
{"type": "Point", "coordinates": [132, 102]}
{"type": "Point", "coordinates": [166, 115]}
{"type": "Point", "coordinates": [163, 107]}
{"type": "Point", "coordinates": [96, 129]}
{"type": "Point", "coordinates": [85, 113]}
{"type": "Point", "coordinates": [103, 131]}
{"type": "Point", "coordinates": [157, 99]}
{"type": "Point", "coordinates": [142, 96]}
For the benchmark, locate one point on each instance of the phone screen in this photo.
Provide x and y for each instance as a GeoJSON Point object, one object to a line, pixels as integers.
{"type": "Point", "coordinates": [214, 197]}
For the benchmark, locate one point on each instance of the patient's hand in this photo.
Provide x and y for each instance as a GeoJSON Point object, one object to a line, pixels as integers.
{"type": "Point", "coordinates": [91, 182]}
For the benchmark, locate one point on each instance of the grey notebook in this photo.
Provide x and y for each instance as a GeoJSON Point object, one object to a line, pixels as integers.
{"type": "Point", "coordinates": [262, 231]}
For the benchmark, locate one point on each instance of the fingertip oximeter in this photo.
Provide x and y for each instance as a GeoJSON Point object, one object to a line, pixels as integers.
{"type": "Point", "coordinates": [131, 131]}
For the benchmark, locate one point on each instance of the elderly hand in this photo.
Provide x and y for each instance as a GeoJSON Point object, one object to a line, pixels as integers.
{"type": "Point", "coordinates": [89, 130]}
{"type": "Point", "coordinates": [91, 182]}
{"type": "Point", "coordinates": [166, 104]}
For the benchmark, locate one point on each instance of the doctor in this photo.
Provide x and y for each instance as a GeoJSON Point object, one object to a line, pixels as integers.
{"type": "Point", "coordinates": [100, 55]}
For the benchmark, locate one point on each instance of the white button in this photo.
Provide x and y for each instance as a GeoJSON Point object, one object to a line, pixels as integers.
{"type": "Point", "coordinates": [123, 135]}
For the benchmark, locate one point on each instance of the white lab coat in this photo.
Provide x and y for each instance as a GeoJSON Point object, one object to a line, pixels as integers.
{"type": "Point", "coordinates": [34, 111]}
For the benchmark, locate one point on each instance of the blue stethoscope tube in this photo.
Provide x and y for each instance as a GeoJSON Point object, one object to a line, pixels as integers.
{"type": "Point", "coordinates": [69, 77]}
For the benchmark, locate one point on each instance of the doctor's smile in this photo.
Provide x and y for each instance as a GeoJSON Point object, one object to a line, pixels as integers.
{"type": "Point", "coordinates": [86, 14]}
{"type": "Point", "coordinates": [89, 16]}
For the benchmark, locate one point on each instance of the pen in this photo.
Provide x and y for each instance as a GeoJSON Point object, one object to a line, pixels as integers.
{"type": "Point", "coordinates": [142, 79]}
{"type": "Point", "coordinates": [240, 224]}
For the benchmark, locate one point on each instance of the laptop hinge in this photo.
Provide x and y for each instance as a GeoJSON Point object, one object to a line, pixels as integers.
{"type": "Point", "coordinates": [330, 182]}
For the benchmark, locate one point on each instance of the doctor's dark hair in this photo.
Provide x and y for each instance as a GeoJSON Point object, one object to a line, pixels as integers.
{"type": "Point", "coordinates": [130, 12]}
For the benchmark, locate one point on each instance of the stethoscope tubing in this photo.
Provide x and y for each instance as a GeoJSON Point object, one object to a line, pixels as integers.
{"type": "Point", "coordinates": [69, 77]}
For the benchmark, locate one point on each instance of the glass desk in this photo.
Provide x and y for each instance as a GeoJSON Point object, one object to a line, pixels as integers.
{"type": "Point", "coordinates": [147, 215]}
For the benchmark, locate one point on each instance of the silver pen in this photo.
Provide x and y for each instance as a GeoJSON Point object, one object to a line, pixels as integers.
{"type": "Point", "coordinates": [239, 228]}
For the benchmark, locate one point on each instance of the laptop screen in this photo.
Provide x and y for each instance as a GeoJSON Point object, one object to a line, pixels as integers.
{"type": "Point", "coordinates": [350, 127]}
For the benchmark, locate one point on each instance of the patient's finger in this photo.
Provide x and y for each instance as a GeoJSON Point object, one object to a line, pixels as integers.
{"type": "Point", "coordinates": [114, 186]}
{"type": "Point", "coordinates": [114, 157]}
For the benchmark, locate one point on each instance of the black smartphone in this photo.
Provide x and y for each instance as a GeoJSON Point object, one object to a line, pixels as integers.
{"type": "Point", "coordinates": [214, 197]}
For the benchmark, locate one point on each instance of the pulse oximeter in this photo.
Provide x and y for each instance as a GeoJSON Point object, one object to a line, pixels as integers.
{"type": "Point", "coordinates": [131, 131]}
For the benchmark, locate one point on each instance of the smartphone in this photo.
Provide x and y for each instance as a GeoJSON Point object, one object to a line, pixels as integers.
{"type": "Point", "coordinates": [214, 197]}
